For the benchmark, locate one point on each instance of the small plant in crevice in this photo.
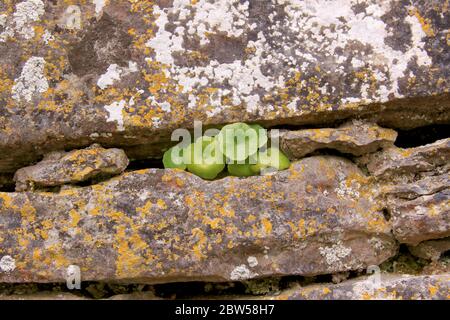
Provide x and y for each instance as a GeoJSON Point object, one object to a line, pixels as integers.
{"type": "Point", "coordinates": [245, 150]}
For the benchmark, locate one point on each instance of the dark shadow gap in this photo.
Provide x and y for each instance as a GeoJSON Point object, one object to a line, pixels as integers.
{"type": "Point", "coordinates": [174, 290]}
{"type": "Point", "coordinates": [7, 182]}
{"type": "Point", "coordinates": [422, 135]}
{"type": "Point", "coordinates": [387, 215]}
{"type": "Point", "coordinates": [145, 164]}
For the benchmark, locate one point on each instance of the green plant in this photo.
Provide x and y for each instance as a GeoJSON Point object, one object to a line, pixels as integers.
{"type": "Point", "coordinates": [202, 158]}
{"type": "Point", "coordinates": [241, 146]}
{"type": "Point", "coordinates": [271, 158]}
{"type": "Point", "coordinates": [173, 158]}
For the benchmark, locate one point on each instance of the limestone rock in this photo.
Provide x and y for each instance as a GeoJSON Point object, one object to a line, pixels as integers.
{"type": "Point", "coordinates": [416, 184]}
{"type": "Point", "coordinates": [60, 168]}
{"type": "Point", "coordinates": [390, 287]}
{"type": "Point", "coordinates": [43, 295]}
{"type": "Point", "coordinates": [354, 138]}
{"type": "Point", "coordinates": [126, 73]}
{"type": "Point", "coordinates": [412, 189]}
{"type": "Point", "coordinates": [431, 250]}
{"type": "Point", "coordinates": [424, 218]}
{"type": "Point", "coordinates": [155, 226]}
{"type": "Point", "coordinates": [402, 161]}
{"type": "Point", "coordinates": [146, 295]}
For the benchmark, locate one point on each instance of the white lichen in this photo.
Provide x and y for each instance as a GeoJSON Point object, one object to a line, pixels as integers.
{"type": "Point", "coordinates": [31, 81]}
{"type": "Point", "coordinates": [225, 16]}
{"type": "Point", "coordinates": [115, 111]}
{"type": "Point", "coordinates": [3, 18]}
{"type": "Point", "coordinates": [99, 5]}
{"type": "Point", "coordinates": [47, 37]}
{"type": "Point", "coordinates": [344, 191]}
{"type": "Point", "coordinates": [243, 76]}
{"type": "Point", "coordinates": [7, 264]}
{"type": "Point", "coordinates": [114, 73]}
{"type": "Point", "coordinates": [71, 19]}
{"type": "Point", "coordinates": [241, 272]}
{"type": "Point", "coordinates": [252, 261]}
{"type": "Point", "coordinates": [25, 14]}
{"type": "Point", "coordinates": [165, 106]}
{"type": "Point", "coordinates": [327, 26]}
{"type": "Point", "coordinates": [333, 255]}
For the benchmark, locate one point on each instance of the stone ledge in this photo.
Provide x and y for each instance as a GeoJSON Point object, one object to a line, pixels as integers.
{"type": "Point", "coordinates": [159, 226]}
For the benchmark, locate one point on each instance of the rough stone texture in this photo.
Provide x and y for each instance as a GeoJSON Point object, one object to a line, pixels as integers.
{"type": "Point", "coordinates": [424, 218]}
{"type": "Point", "coordinates": [423, 183]}
{"type": "Point", "coordinates": [126, 73]}
{"type": "Point", "coordinates": [355, 138]}
{"type": "Point", "coordinates": [416, 183]}
{"type": "Point", "coordinates": [157, 225]}
{"type": "Point", "coordinates": [431, 250]}
{"type": "Point", "coordinates": [43, 295]}
{"type": "Point", "coordinates": [58, 168]}
{"type": "Point", "coordinates": [135, 296]}
{"type": "Point", "coordinates": [403, 161]}
{"type": "Point", "coordinates": [391, 287]}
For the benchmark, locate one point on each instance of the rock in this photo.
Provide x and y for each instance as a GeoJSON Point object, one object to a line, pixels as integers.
{"type": "Point", "coordinates": [438, 267]}
{"type": "Point", "coordinates": [120, 73]}
{"type": "Point", "coordinates": [416, 186]}
{"type": "Point", "coordinates": [403, 161]}
{"type": "Point", "coordinates": [76, 166]}
{"type": "Point", "coordinates": [424, 218]}
{"type": "Point", "coordinates": [146, 295]}
{"type": "Point", "coordinates": [354, 138]}
{"type": "Point", "coordinates": [156, 226]}
{"type": "Point", "coordinates": [430, 250]}
{"type": "Point", "coordinates": [390, 287]}
{"type": "Point", "coordinates": [43, 295]}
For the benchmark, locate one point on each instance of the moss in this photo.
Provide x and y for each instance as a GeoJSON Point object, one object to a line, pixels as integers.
{"type": "Point", "coordinates": [262, 286]}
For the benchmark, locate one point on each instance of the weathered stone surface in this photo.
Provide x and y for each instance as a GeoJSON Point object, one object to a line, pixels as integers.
{"type": "Point", "coordinates": [402, 161]}
{"type": "Point", "coordinates": [391, 287]}
{"type": "Point", "coordinates": [356, 138]}
{"type": "Point", "coordinates": [428, 185]}
{"type": "Point", "coordinates": [126, 73]}
{"type": "Point", "coordinates": [431, 250]}
{"type": "Point", "coordinates": [58, 168]}
{"type": "Point", "coordinates": [157, 225]}
{"type": "Point", "coordinates": [43, 295]}
{"type": "Point", "coordinates": [416, 184]}
{"type": "Point", "coordinates": [438, 267]}
{"type": "Point", "coordinates": [424, 218]}
{"type": "Point", "coordinates": [146, 295]}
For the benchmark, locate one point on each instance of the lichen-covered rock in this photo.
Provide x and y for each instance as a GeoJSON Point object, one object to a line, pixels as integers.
{"type": "Point", "coordinates": [58, 168]}
{"type": "Point", "coordinates": [355, 138]}
{"type": "Point", "coordinates": [416, 186]}
{"type": "Point", "coordinates": [155, 225]}
{"type": "Point", "coordinates": [126, 73]}
{"type": "Point", "coordinates": [413, 160]}
{"type": "Point", "coordinates": [431, 250]}
{"type": "Point", "coordinates": [389, 287]}
{"type": "Point", "coordinates": [423, 218]}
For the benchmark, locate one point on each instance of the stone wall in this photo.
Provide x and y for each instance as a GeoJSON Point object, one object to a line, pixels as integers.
{"type": "Point", "coordinates": [90, 92]}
